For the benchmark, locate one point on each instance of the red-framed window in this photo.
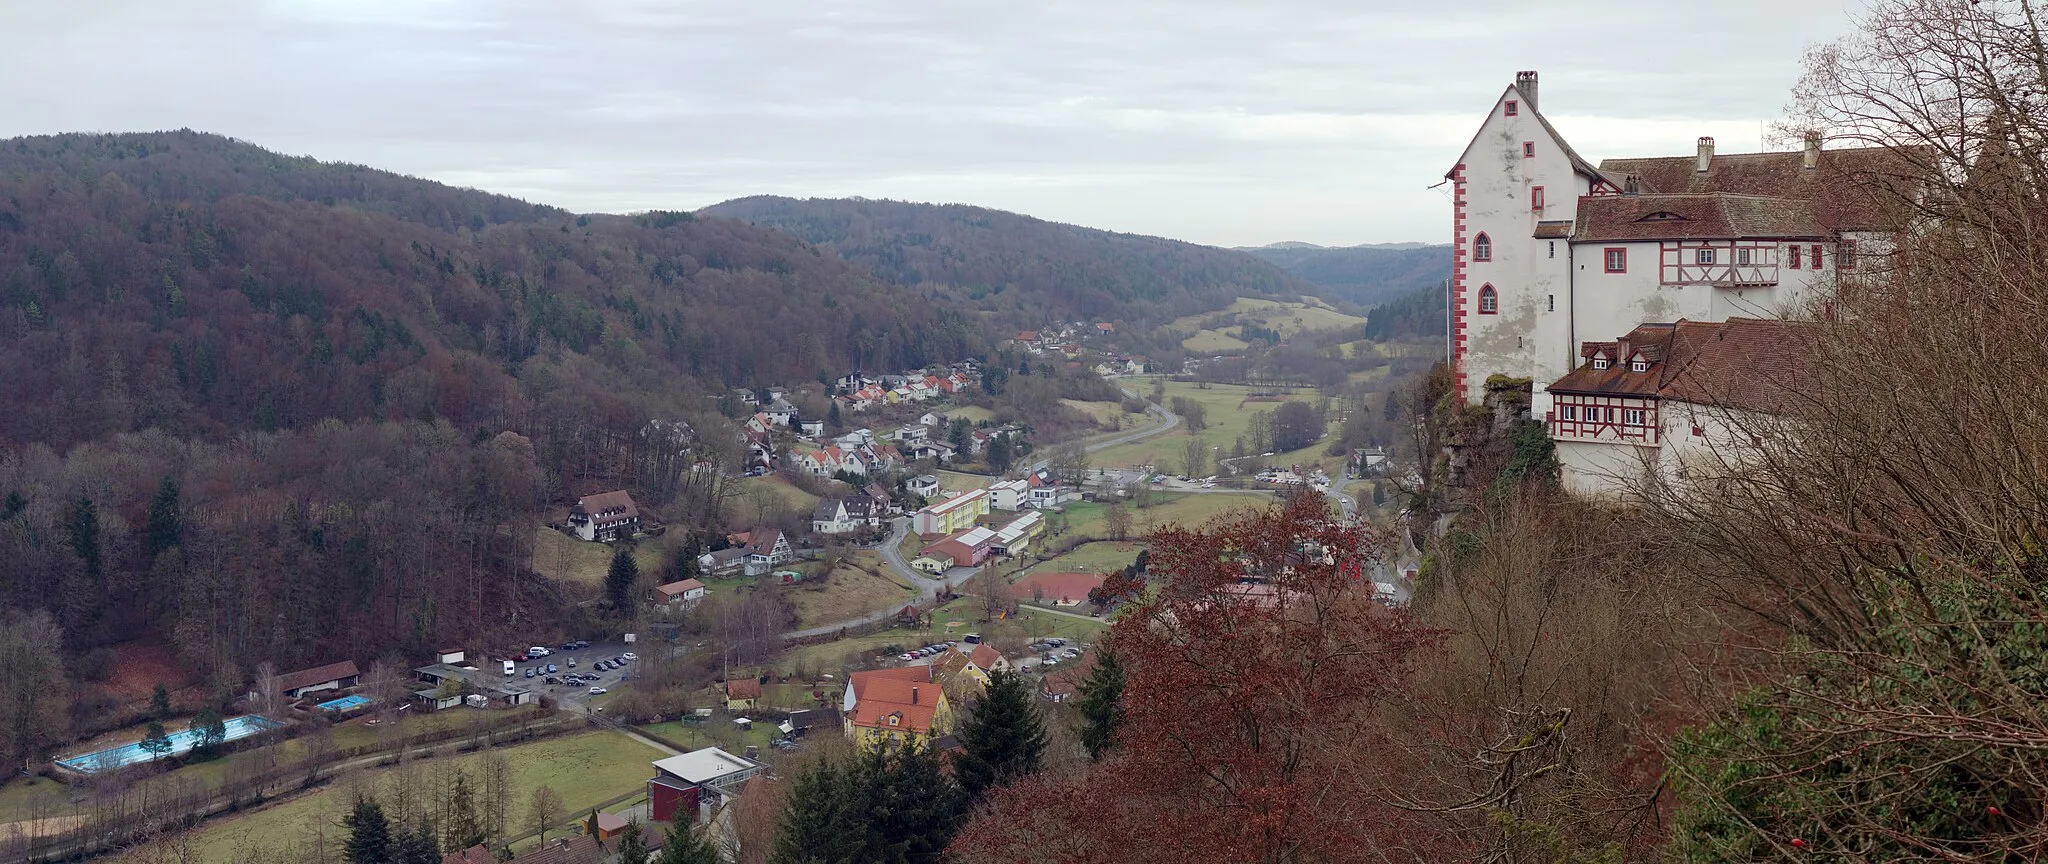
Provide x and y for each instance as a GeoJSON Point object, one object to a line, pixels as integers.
{"type": "Point", "coordinates": [1816, 256]}
{"type": "Point", "coordinates": [1703, 257]}
{"type": "Point", "coordinates": [1535, 197]}
{"type": "Point", "coordinates": [1513, 108]}
{"type": "Point", "coordinates": [1528, 149]}
{"type": "Point", "coordinates": [1489, 300]}
{"type": "Point", "coordinates": [1482, 247]}
{"type": "Point", "coordinates": [1615, 259]}
{"type": "Point", "coordinates": [1845, 255]}
{"type": "Point", "coordinates": [1793, 259]}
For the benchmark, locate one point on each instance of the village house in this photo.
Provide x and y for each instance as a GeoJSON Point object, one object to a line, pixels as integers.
{"type": "Point", "coordinates": [1009, 494]}
{"type": "Point", "coordinates": [923, 486]}
{"type": "Point", "coordinates": [811, 428]}
{"type": "Point", "coordinates": [742, 694]}
{"type": "Point", "coordinates": [767, 549]}
{"type": "Point", "coordinates": [605, 517]}
{"type": "Point", "coordinates": [981, 659]}
{"type": "Point", "coordinates": [696, 784]}
{"type": "Point", "coordinates": [723, 562]}
{"type": "Point", "coordinates": [895, 706]}
{"type": "Point", "coordinates": [449, 685]}
{"type": "Point", "coordinates": [1549, 247]}
{"type": "Point", "coordinates": [677, 596]}
{"type": "Point", "coordinates": [1670, 404]}
{"type": "Point", "coordinates": [831, 517]}
{"type": "Point", "coordinates": [957, 513]}
{"type": "Point", "coordinates": [333, 676]}
{"type": "Point", "coordinates": [779, 412]}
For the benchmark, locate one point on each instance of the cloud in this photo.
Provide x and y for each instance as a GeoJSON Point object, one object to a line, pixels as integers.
{"type": "Point", "coordinates": [1211, 120]}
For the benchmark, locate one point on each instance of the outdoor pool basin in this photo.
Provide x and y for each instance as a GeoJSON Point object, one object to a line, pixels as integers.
{"type": "Point", "coordinates": [345, 703]}
{"type": "Point", "coordinates": [182, 741]}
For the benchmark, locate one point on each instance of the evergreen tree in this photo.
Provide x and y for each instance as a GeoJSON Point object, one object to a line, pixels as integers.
{"type": "Point", "coordinates": [687, 845]}
{"type": "Point", "coordinates": [85, 537]}
{"type": "Point", "coordinates": [633, 849]}
{"type": "Point", "coordinates": [913, 808]}
{"type": "Point", "coordinates": [165, 529]}
{"type": "Point", "coordinates": [813, 828]}
{"type": "Point", "coordinates": [465, 828]}
{"type": "Point", "coordinates": [1000, 456]}
{"type": "Point", "coordinates": [160, 702]}
{"type": "Point", "coordinates": [209, 731]}
{"type": "Point", "coordinates": [369, 835]}
{"type": "Point", "coordinates": [416, 846]}
{"type": "Point", "coordinates": [1003, 737]}
{"type": "Point", "coordinates": [155, 742]}
{"type": "Point", "coordinates": [619, 580]}
{"type": "Point", "coordinates": [1101, 704]}
{"type": "Point", "coordinates": [832, 416]}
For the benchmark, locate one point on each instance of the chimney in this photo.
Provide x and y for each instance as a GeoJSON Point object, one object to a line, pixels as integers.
{"type": "Point", "coordinates": [1812, 150]}
{"type": "Point", "coordinates": [1706, 154]}
{"type": "Point", "coordinates": [1527, 82]}
{"type": "Point", "coordinates": [913, 695]}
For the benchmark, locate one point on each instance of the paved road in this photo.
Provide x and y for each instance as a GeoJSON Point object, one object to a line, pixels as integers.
{"type": "Point", "coordinates": [928, 586]}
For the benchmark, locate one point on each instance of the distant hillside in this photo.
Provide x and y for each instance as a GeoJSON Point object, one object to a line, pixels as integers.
{"type": "Point", "coordinates": [1022, 270]}
{"type": "Point", "coordinates": [1363, 276]}
{"type": "Point", "coordinates": [360, 379]}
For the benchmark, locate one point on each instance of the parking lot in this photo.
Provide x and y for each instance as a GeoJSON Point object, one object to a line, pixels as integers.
{"type": "Point", "coordinates": [573, 694]}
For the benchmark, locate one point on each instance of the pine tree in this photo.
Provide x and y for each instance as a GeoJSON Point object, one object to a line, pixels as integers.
{"type": "Point", "coordinates": [416, 846]}
{"type": "Point", "coordinates": [1101, 704]}
{"type": "Point", "coordinates": [999, 454]}
{"type": "Point", "coordinates": [464, 829]}
{"type": "Point", "coordinates": [160, 702]}
{"type": "Point", "coordinates": [687, 845]}
{"type": "Point", "coordinates": [813, 828]}
{"type": "Point", "coordinates": [915, 808]}
{"type": "Point", "coordinates": [85, 537]}
{"type": "Point", "coordinates": [155, 742]}
{"type": "Point", "coordinates": [165, 529]}
{"type": "Point", "coordinates": [618, 582]}
{"type": "Point", "coordinates": [369, 835]}
{"type": "Point", "coordinates": [632, 848]}
{"type": "Point", "coordinates": [1003, 737]}
{"type": "Point", "coordinates": [209, 731]}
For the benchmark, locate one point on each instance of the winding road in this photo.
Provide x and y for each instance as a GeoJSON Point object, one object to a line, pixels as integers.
{"type": "Point", "coordinates": [928, 586]}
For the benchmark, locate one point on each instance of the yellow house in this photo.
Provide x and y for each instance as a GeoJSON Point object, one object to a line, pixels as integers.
{"type": "Point", "coordinates": [895, 706]}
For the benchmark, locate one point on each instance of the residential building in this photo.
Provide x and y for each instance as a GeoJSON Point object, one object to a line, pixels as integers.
{"type": "Point", "coordinates": [1050, 496]}
{"type": "Point", "coordinates": [1550, 248]}
{"type": "Point", "coordinates": [779, 412]}
{"type": "Point", "coordinates": [967, 548]}
{"type": "Point", "coordinates": [724, 562]}
{"type": "Point", "coordinates": [693, 785]}
{"type": "Point", "coordinates": [605, 517]}
{"type": "Point", "coordinates": [305, 682]}
{"type": "Point", "coordinates": [913, 432]}
{"type": "Point", "coordinates": [676, 596]}
{"type": "Point", "coordinates": [981, 659]}
{"type": "Point", "coordinates": [953, 514]}
{"type": "Point", "coordinates": [478, 854]}
{"type": "Point", "coordinates": [1057, 589]}
{"type": "Point", "coordinates": [895, 705]}
{"type": "Point", "coordinates": [742, 694]}
{"type": "Point", "coordinates": [767, 549]}
{"type": "Point", "coordinates": [831, 517]}
{"type": "Point", "coordinates": [936, 565]}
{"type": "Point", "coordinates": [924, 486]}
{"type": "Point", "coordinates": [1670, 404]}
{"type": "Point", "coordinates": [811, 428]}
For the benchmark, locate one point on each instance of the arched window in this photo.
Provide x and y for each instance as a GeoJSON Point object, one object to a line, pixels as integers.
{"type": "Point", "coordinates": [1482, 247]}
{"type": "Point", "coordinates": [1489, 302]}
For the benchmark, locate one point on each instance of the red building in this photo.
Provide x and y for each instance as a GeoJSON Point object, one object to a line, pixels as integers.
{"type": "Point", "coordinates": [687, 784]}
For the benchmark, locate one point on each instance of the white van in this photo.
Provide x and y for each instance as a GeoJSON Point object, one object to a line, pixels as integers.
{"type": "Point", "coordinates": [510, 669]}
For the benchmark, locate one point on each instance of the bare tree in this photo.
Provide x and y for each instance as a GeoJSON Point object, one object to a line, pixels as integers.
{"type": "Point", "coordinates": [544, 809]}
{"type": "Point", "coordinates": [1195, 455]}
{"type": "Point", "coordinates": [1116, 521]}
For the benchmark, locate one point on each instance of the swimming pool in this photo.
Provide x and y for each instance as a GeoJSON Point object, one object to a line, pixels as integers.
{"type": "Point", "coordinates": [345, 703]}
{"type": "Point", "coordinates": [182, 741]}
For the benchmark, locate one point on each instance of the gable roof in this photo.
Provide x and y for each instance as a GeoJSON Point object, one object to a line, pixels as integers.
{"type": "Point", "coordinates": [478, 854]}
{"type": "Point", "coordinates": [761, 541]}
{"type": "Point", "coordinates": [913, 703]}
{"type": "Point", "coordinates": [612, 506]}
{"type": "Point", "coordinates": [1847, 186]}
{"type": "Point", "coordinates": [1579, 163]}
{"type": "Point", "coordinates": [828, 510]}
{"type": "Point", "coordinates": [318, 675]}
{"type": "Point", "coordinates": [985, 656]}
{"type": "Point", "coordinates": [1716, 215]}
{"type": "Point", "coordinates": [677, 589]}
{"type": "Point", "coordinates": [743, 688]}
{"type": "Point", "coordinates": [1744, 363]}
{"type": "Point", "coordinates": [859, 680]}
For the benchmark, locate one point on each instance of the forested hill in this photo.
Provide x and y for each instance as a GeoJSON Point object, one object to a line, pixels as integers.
{"type": "Point", "coordinates": [277, 410]}
{"type": "Point", "coordinates": [1024, 270]}
{"type": "Point", "coordinates": [221, 287]}
{"type": "Point", "coordinates": [1365, 276]}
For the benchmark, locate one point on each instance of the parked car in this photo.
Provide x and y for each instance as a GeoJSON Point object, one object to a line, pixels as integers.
{"type": "Point", "coordinates": [906, 656]}
{"type": "Point", "coordinates": [597, 691]}
{"type": "Point", "coordinates": [537, 652]}
{"type": "Point", "coordinates": [551, 669]}
{"type": "Point", "coordinates": [529, 673]}
{"type": "Point", "coordinates": [568, 646]}
{"type": "Point", "coordinates": [630, 656]}
{"type": "Point", "coordinates": [551, 680]}
{"type": "Point", "coordinates": [509, 669]}
{"type": "Point", "coordinates": [1056, 642]}
{"type": "Point", "coordinates": [572, 662]}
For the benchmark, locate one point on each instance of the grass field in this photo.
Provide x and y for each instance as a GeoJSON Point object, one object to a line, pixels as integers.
{"type": "Point", "coordinates": [778, 489]}
{"type": "Point", "coordinates": [970, 612]}
{"type": "Point", "coordinates": [954, 481]}
{"type": "Point", "coordinates": [1229, 418]}
{"type": "Point", "coordinates": [1214, 342]}
{"type": "Point", "coordinates": [1184, 509]}
{"type": "Point", "coordinates": [973, 413]}
{"type": "Point", "coordinates": [859, 585]}
{"type": "Point", "coordinates": [829, 656]}
{"type": "Point", "coordinates": [1109, 415]}
{"type": "Point", "coordinates": [719, 731]}
{"type": "Point", "coordinates": [1096, 557]}
{"type": "Point", "coordinates": [585, 769]}
{"type": "Point", "coordinates": [1286, 318]}
{"type": "Point", "coordinates": [559, 556]}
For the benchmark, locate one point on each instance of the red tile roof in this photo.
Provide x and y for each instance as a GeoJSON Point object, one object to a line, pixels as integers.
{"type": "Point", "coordinates": [914, 703]}
{"type": "Point", "coordinates": [1851, 188]}
{"type": "Point", "coordinates": [318, 675]}
{"type": "Point", "coordinates": [1685, 217]}
{"type": "Point", "coordinates": [743, 688]}
{"type": "Point", "coordinates": [677, 589]}
{"type": "Point", "coordinates": [1739, 363]}
{"type": "Point", "coordinates": [985, 657]}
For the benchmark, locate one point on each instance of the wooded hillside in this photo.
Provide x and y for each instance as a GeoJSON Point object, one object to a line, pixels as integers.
{"type": "Point", "coordinates": [1025, 271]}
{"type": "Point", "coordinates": [1362, 275]}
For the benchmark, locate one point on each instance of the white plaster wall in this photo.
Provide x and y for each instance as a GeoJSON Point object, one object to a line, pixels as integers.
{"type": "Point", "coordinates": [1603, 470]}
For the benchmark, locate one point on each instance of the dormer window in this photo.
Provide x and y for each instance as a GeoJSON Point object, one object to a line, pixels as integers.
{"type": "Point", "coordinates": [1599, 362]}
{"type": "Point", "coordinates": [1663, 216]}
{"type": "Point", "coordinates": [1482, 247]}
{"type": "Point", "coordinates": [1639, 365]}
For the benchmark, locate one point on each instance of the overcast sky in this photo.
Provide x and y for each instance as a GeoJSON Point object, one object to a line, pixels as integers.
{"type": "Point", "coordinates": [1233, 122]}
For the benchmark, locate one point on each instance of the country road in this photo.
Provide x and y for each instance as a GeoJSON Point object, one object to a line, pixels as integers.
{"type": "Point", "coordinates": [928, 587]}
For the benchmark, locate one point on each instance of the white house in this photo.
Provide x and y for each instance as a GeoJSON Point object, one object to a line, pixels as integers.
{"type": "Point", "coordinates": [832, 517]}
{"type": "Point", "coordinates": [767, 548]}
{"type": "Point", "coordinates": [779, 412]}
{"type": "Point", "coordinates": [684, 594]}
{"type": "Point", "coordinates": [1550, 248]}
{"type": "Point", "coordinates": [923, 485]}
{"type": "Point", "coordinates": [1009, 494]}
{"type": "Point", "coordinates": [1672, 404]}
{"type": "Point", "coordinates": [1050, 496]}
{"type": "Point", "coordinates": [605, 517]}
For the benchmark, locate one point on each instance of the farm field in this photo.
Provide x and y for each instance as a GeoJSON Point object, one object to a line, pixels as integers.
{"type": "Point", "coordinates": [859, 585]}
{"type": "Point", "coordinates": [1228, 416]}
{"type": "Point", "coordinates": [1185, 509]}
{"type": "Point", "coordinates": [1286, 318]}
{"type": "Point", "coordinates": [585, 769]}
{"type": "Point", "coordinates": [829, 656]}
{"type": "Point", "coordinates": [1214, 342]}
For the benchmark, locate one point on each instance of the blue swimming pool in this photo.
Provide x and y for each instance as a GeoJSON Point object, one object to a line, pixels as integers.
{"type": "Point", "coordinates": [345, 703]}
{"type": "Point", "coordinates": [182, 741]}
